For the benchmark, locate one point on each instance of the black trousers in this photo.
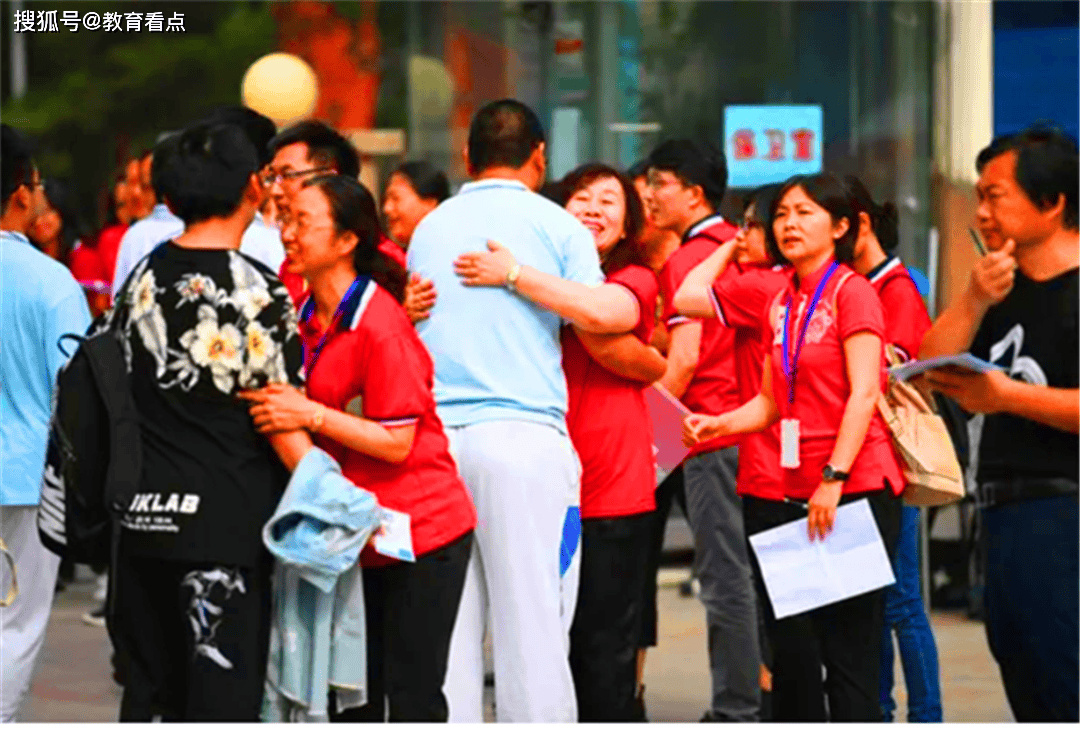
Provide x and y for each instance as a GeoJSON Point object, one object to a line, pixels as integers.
{"type": "Point", "coordinates": [410, 609]}
{"type": "Point", "coordinates": [667, 492]}
{"type": "Point", "coordinates": [194, 637]}
{"type": "Point", "coordinates": [844, 637]}
{"type": "Point", "coordinates": [607, 621]}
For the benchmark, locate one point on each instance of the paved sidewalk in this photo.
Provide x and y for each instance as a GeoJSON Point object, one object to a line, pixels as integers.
{"type": "Point", "coordinates": [74, 684]}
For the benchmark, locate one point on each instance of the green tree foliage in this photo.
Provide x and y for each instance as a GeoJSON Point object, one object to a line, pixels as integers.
{"type": "Point", "coordinates": [95, 98]}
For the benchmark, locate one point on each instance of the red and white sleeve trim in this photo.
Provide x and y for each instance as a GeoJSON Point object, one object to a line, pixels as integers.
{"type": "Point", "coordinates": [716, 307]}
{"type": "Point", "coordinates": [399, 422]}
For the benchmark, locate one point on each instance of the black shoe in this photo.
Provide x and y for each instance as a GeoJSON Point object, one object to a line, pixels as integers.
{"type": "Point", "coordinates": [708, 717]}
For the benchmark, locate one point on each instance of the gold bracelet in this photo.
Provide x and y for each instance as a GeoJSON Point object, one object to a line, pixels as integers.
{"type": "Point", "coordinates": [317, 418]}
{"type": "Point", "coordinates": [512, 276]}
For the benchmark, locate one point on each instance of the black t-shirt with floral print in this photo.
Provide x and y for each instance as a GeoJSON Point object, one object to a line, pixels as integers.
{"type": "Point", "coordinates": [200, 326]}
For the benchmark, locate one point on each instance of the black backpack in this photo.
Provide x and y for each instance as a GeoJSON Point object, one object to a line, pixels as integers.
{"type": "Point", "coordinates": [94, 456]}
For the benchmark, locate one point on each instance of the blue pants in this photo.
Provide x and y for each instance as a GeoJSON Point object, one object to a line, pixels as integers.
{"type": "Point", "coordinates": [1033, 604]}
{"type": "Point", "coordinates": [905, 614]}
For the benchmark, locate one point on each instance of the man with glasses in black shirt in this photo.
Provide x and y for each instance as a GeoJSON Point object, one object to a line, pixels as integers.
{"type": "Point", "coordinates": [1020, 311]}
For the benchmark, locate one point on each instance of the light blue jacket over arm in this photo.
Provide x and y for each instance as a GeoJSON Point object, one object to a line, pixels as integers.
{"type": "Point", "coordinates": [317, 638]}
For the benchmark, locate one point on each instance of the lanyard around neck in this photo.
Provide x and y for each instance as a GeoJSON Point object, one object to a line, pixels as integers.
{"type": "Point", "coordinates": [312, 358]}
{"type": "Point", "coordinates": [791, 363]}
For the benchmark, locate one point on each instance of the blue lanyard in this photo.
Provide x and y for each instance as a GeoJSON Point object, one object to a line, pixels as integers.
{"type": "Point", "coordinates": [310, 359]}
{"type": "Point", "coordinates": [791, 367]}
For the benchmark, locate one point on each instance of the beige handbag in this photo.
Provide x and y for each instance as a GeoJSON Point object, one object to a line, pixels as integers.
{"type": "Point", "coordinates": [922, 442]}
{"type": "Point", "coordinates": [14, 591]}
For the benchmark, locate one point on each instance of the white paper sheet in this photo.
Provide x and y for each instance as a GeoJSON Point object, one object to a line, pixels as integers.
{"type": "Point", "coordinates": [801, 575]}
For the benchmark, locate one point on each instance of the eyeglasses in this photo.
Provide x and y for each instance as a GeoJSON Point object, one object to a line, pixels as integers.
{"type": "Point", "coordinates": [271, 178]}
{"type": "Point", "coordinates": [748, 224]}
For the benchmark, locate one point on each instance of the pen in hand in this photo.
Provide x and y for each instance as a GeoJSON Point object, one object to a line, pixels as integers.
{"type": "Point", "coordinates": [979, 246]}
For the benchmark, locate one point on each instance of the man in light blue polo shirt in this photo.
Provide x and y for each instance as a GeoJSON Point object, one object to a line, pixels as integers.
{"type": "Point", "coordinates": [501, 394]}
{"type": "Point", "coordinates": [39, 302]}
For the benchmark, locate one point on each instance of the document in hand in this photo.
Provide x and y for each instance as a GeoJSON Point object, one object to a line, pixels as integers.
{"type": "Point", "coordinates": [667, 415]}
{"type": "Point", "coordinates": [801, 575]}
{"type": "Point", "coordinates": [962, 361]}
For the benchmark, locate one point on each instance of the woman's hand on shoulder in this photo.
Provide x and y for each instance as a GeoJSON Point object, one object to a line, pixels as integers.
{"type": "Point", "coordinates": [488, 268]}
{"type": "Point", "coordinates": [280, 408]}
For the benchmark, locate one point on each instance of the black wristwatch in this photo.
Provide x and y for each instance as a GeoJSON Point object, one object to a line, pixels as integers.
{"type": "Point", "coordinates": [829, 473]}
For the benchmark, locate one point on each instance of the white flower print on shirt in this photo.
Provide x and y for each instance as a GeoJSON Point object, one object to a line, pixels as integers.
{"type": "Point", "coordinates": [252, 293]}
{"type": "Point", "coordinates": [196, 286]}
{"type": "Point", "coordinates": [218, 348]}
{"type": "Point", "coordinates": [149, 320]}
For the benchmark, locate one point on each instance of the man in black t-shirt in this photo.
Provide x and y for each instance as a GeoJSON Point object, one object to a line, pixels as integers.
{"type": "Point", "coordinates": [1020, 312]}
{"type": "Point", "coordinates": [200, 322]}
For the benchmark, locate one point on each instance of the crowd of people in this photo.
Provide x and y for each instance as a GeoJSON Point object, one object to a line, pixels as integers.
{"type": "Point", "coordinates": [478, 363]}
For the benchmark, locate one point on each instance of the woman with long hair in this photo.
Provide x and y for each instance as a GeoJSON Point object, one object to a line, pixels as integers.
{"type": "Point", "coordinates": [906, 322]}
{"type": "Point", "coordinates": [609, 425]}
{"type": "Point", "coordinates": [821, 379]}
{"type": "Point", "coordinates": [369, 404]}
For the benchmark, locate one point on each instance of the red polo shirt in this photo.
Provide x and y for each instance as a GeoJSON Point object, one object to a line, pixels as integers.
{"type": "Point", "coordinates": [608, 419]}
{"type": "Point", "coordinates": [906, 319]}
{"type": "Point", "coordinates": [714, 388]}
{"type": "Point", "coordinates": [375, 355]}
{"type": "Point", "coordinates": [741, 296]}
{"type": "Point", "coordinates": [822, 387]}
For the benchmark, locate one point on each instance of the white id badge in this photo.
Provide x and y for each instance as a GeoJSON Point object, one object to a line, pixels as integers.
{"type": "Point", "coordinates": [789, 443]}
{"type": "Point", "coordinates": [396, 538]}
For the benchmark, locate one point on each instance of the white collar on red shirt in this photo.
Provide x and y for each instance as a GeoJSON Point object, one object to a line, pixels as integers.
{"type": "Point", "coordinates": [882, 269]}
{"type": "Point", "coordinates": [359, 300]}
{"type": "Point", "coordinates": [705, 223]}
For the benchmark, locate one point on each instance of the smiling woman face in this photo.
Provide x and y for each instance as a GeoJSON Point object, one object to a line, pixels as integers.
{"type": "Point", "coordinates": [312, 244]}
{"type": "Point", "coordinates": [601, 207]}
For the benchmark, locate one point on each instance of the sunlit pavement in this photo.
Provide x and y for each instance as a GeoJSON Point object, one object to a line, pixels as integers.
{"type": "Point", "coordinates": [74, 682]}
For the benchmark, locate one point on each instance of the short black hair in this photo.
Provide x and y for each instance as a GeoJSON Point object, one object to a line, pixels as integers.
{"type": "Point", "coordinates": [428, 181]}
{"type": "Point", "coordinates": [159, 164]}
{"type": "Point", "coordinates": [1046, 166]}
{"type": "Point", "coordinates": [884, 218]}
{"type": "Point", "coordinates": [260, 130]}
{"type": "Point", "coordinates": [17, 167]}
{"type": "Point", "coordinates": [207, 168]}
{"type": "Point", "coordinates": [695, 164]}
{"type": "Point", "coordinates": [503, 133]}
{"type": "Point", "coordinates": [829, 192]}
{"type": "Point", "coordinates": [325, 146]}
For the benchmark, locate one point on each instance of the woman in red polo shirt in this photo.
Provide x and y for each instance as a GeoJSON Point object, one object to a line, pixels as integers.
{"type": "Point", "coordinates": [609, 425]}
{"type": "Point", "coordinates": [369, 404]}
{"type": "Point", "coordinates": [821, 378]}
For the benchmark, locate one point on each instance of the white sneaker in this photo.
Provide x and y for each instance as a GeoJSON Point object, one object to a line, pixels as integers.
{"type": "Point", "coordinates": [102, 587]}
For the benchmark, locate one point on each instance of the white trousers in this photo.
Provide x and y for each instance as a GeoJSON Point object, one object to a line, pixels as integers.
{"type": "Point", "coordinates": [525, 480]}
{"type": "Point", "coordinates": [22, 625]}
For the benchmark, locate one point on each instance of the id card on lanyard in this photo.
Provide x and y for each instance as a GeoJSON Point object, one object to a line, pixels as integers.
{"type": "Point", "coordinates": [312, 357]}
{"type": "Point", "coordinates": [789, 427]}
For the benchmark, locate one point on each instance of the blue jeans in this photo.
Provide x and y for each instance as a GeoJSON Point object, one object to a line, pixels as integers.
{"type": "Point", "coordinates": [904, 613]}
{"type": "Point", "coordinates": [1032, 590]}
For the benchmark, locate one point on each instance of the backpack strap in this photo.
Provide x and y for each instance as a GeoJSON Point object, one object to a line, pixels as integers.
{"type": "Point", "coordinates": [107, 362]}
